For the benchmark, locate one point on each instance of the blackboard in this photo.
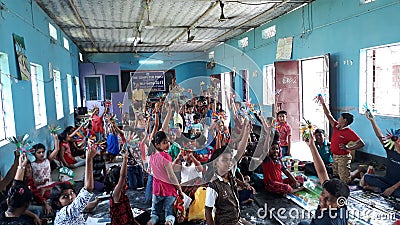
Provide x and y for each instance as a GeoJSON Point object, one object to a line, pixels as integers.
{"type": "Point", "coordinates": [149, 80]}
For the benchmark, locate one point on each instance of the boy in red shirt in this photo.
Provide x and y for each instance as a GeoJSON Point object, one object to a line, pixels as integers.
{"type": "Point", "coordinates": [343, 141]}
{"type": "Point", "coordinates": [285, 133]}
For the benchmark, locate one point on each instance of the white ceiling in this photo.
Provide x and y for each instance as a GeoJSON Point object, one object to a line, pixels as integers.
{"type": "Point", "coordinates": [118, 25]}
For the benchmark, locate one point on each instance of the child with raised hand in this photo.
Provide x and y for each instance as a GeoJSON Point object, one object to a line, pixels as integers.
{"type": "Point", "coordinates": [120, 209]}
{"type": "Point", "coordinates": [18, 199]}
{"type": "Point", "coordinates": [388, 185]}
{"type": "Point", "coordinates": [165, 183]}
{"type": "Point", "coordinates": [112, 140]}
{"type": "Point", "coordinates": [334, 191]}
{"type": "Point", "coordinates": [69, 206]}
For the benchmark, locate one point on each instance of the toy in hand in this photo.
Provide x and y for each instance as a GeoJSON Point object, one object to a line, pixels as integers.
{"type": "Point", "coordinates": [306, 129]}
{"type": "Point", "coordinates": [391, 137]}
{"type": "Point", "coordinates": [53, 128]}
{"type": "Point", "coordinates": [23, 145]}
{"type": "Point", "coordinates": [107, 103]}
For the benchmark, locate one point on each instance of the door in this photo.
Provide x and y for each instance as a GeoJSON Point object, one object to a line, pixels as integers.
{"type": "Point", "coordinates": [287, 85]}
{"type": "Point", "coordinates": [94, 91]}
{"type": "Point", "coordinates": [315, 80]}
{"type": "Point", "coordinates": [112, 85]}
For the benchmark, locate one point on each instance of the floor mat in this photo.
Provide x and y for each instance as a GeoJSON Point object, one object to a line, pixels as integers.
{"type": "Point", "coordinates": [363, 207]}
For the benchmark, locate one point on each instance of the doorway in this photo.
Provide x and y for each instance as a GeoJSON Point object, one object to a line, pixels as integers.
{"type": "Point", "coordinates": [93, 91]}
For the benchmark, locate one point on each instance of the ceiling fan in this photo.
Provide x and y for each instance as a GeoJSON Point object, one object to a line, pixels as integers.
{"type": "Point", "coordinates": [222, 17]}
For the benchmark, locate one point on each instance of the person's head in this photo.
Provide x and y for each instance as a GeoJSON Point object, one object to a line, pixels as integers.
{"type": "Point", "coordinates": [319, 135]}
{"type": "Point", "coordinates": [222, 160]}
{"type": "Point", "coordinates": [221, 126]}
{"type": "Point", "coordinates": [196, 118]}
{"type": "Point", "coordinates": [38, 150]}
{"type": "Point", "coordinates": [178, 129]}
{"type": "Point", "coordinates": [95, 110]}
{"type": "Point", "coordinates": [160, 141]}
{"type": "Point", "coordinates": [345, 119]}
{"type": "Point", "coordinates": [189, 108]}
{"type": "Point", "coordinates": [274, 150]}
{"type": "Point", "coordinates": [61, 195]}
{"type": "Point", "coordinates": [333, 191]}
{"type": "Point", "coordinates": [200, 141]}
{"type": "Point", "coordinates": [282, 116]}
{"type": "Point", "coordinates": [114, 174]}
{"type": "Point", "coordinates": [28, 170]}
{"type": "Point", "coordinates": [199, 103]}
{"type": "Point", "coordinates": [137, 85]}
{"type": "Point", "coordinates": [19, 198]}
{"type": "Point", "coordinates": [237, 105]}
{"type": "Point", "coordinates": [186, 156]}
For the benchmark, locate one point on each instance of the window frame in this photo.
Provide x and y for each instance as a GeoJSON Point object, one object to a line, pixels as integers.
{"type": "Point", "coordinates": [39, 104]}
{"type": "Point", "coordinates": [58, 94]}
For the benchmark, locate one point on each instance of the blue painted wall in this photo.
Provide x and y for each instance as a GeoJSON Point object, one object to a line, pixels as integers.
{"type": "Point", "coordinates": [26, 19]}
{"type": "Point", "coordinates": [339, 27]}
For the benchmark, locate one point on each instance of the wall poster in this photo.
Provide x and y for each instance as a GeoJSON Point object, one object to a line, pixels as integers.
{"type": "Point", "coordinates": [23, 67]}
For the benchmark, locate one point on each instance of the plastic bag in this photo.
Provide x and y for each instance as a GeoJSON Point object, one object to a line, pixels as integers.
{"type": "Point", "coordinates": [196, 209]}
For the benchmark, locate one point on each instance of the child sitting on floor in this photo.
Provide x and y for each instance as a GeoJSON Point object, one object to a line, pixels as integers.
{"type": "Point", "coordinates": [69, 206]}
{"type": "Point", "coordinates": [41, 170]}
{"type": "Point", "coordinates": [272, 170]}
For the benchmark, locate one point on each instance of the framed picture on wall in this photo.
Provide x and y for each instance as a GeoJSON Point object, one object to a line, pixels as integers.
{"type": "Point", "coordinates": [23, 72]}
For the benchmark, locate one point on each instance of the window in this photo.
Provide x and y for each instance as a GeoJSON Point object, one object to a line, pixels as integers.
{"type": "Point", "coordinates": [78, 92]}
{"type": "Point", "coordinates": [70, 95]}
{"type": "Point", "coordinates": [380, 80]}
{"type": "Point", "coordinates": [39, 103]}
{"type": "Point", "coordinates": [66, 43]}
{"type": "Point", "coordinates": [268, 85]}
{"type": "Point", "coordinates": [269, 32]}
{"type": "Point", "coordinates": [52, 31]}
{"type": "Point", "coordinates": [7, 129]}
{"type": "Point", "coordinates": [244, 42]}
{"type": "Point", "coordinates": [58, 94]}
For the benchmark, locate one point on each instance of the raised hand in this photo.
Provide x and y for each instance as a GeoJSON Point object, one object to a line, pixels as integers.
{"type": "Point", "coordinates": [23, 160]}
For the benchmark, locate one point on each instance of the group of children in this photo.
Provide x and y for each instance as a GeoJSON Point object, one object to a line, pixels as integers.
{"type": "Point", "coordinates": [174, 145]}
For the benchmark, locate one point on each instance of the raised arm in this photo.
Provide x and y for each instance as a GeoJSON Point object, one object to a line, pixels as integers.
{"type": "Point", "coordinates": [377, 130]}
{"type": "Point", "coordinates": [11, 172]}
{"type": "Point", "coordinates": [56, 148]}
{"type": "Point", "coordinates": [165, 125]}
{"type": "Point", "coordinates": [90, 154]}
{"type": "Point", "coordinates": [75, 131]}
{"type": "Point", "coordinates": [23, 160]}
{"type": "Point", "coordinates": [318, 163]}
{"type": "Point", "coordinates": [243, 142]}
{"type": "Point", "coordinates": [326, 110]}
{"type": "Point", "coordinates": [121, 182]}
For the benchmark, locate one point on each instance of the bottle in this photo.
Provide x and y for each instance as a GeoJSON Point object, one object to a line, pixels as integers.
{"type": "Point", "coordinates": [296, 167]}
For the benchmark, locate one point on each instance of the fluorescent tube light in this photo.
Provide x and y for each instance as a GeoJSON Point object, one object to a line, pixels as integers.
{"type": "Point", "coordinates": [151, 61]}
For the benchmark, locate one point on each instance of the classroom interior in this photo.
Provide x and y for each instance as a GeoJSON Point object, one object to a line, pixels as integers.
{"type": "Point", "coordinates": [59, 59]}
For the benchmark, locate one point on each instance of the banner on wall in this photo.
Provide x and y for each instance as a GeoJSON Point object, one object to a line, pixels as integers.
{"type": "Point", "coordinates": [23, 72]}
{"type": "Point", "coordinates": [149, 80]}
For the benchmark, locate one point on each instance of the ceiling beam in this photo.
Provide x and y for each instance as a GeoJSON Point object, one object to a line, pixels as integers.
{"type": "Point", "coordinates": [143, 6]}
{"type": "Point", "coordinates": [159, 27]}
{"type": "Point", "coordinates": [90, 36]}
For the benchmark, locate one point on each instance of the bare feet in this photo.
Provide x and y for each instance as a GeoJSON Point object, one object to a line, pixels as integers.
{"type": "Point", "coordinates": [168, 223]}
{"type": "Point", "coordinates": [150, 223]}
{"type": "Point", "coordinates": [371, 188]}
